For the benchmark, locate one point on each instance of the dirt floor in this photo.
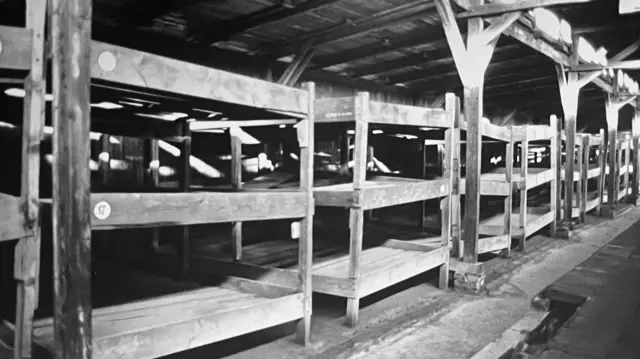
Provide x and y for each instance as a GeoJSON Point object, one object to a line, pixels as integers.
{"type": "Point", "coordinates": [424, 322]}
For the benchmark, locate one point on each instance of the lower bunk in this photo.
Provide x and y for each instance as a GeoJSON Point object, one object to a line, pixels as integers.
{"type": "Point", "coordinates": [536, 219]}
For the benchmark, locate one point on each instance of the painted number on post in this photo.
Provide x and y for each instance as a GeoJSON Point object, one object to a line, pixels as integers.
{"type": "Point", "coordinates": [102, 210]}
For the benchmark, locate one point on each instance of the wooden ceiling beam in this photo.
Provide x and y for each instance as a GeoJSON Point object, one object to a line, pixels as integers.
{"type": "Point", "coordinates": [495, 9]}
{"type": "Point", "coordinates": [224, 30]}
{"type": "Point", "coordinates": [351, 29]}
{"type": "Point", "coordinates": [627, 65]}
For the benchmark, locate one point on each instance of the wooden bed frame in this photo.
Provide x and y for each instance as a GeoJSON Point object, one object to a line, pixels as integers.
{"type": "Point", "coordinates": [498, 235]}
{"type": "Point", "coordinates": [240, 305]}
{"type": "Point", "coordinates": [585, 201]}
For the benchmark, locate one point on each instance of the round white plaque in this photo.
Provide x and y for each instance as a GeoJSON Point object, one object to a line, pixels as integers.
{"type": "Point", "coordinates": [107, 61]}
{"type": "Point", "coordinates": [102, 210]}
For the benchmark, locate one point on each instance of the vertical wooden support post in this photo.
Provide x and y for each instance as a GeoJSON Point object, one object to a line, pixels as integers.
{"type": "Point", "coordinates": [153, 180]}
{"type": "Point", "coordinates": [185, 184]}
{"type": "Point", "coordinates": [370, 152]}
{"type": "Point", "coordinates": [556, 158]}
{"type": "Point", "coordinates": [422, 223]}
{"type": "Point", "coordinates": [612, 136]}
{"type": "Point", "coordinates": [508, 201]}
{"type": "Point", "coordinates": [627, 166]}
{"type": "Point", "coordinates": [473, 116]}
{"type": "Point", "coordinates": [356, 215]}
{"type": "Point", "coordinates": [524, 168]}
{"type": "Point", "coordinates": [236, 183]}
{"type": "Point", "coordinates": [635, 132]}
{"type": "Point", "coordinates": [455, 192]}
{"type": "Point", "coordinates": [619, 152]}
{"type": "Point", "coordinates": [71, 33]}
{"type": "Point", "coordinates": [306, 138]}
{"type": "Point", "coordinates": [586, 149]}
{"type": "Point", "coordinates": [104, 160]}
{"type": "Point", "coordinates": [578, 183]}
{"type": "Point", "coordinates": [447, 167]}
{"type": "Point", "coordinates": [569, 170]}
{"type": "Point", "coordinates": [27, 251]}
{"type": "Point", "coordinates": [602, 163]}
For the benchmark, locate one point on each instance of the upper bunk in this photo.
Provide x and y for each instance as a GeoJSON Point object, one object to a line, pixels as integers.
{"type": "Point", "coordinates": [590, 143]}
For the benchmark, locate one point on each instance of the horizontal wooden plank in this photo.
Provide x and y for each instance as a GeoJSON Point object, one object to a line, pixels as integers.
{"type": "Point", "coordinates": [400, 193]}
{"type": "Point", "coordinates": [117, 210]}
{"type": "Point", "coordinates": [140, 69]}
{"type": "Point", "coordinates": [15, 48]}
{"type": "Point", "coordinates": [12, 220]}
{"type": "Point", "coordinates": [533, 133]}
{"type": "Point", "coordinates": [397, 271]}
{"type": "Point", "coordinates": [184, 325]}
{"type": "Point", "coordinates": [203, 126]}
{"type": "Point", "coordinates": [490, 185]}
{"type": "Point", "coordinates": [495, 9]}
{"type": "Point", "coordinates": [491, 131]}
{"type": "Point", "coordinates": [492, 244]}
{"type": "Point", "coordinates": [395, 114]}
{"type": "Point", "coordinates": [335, 109]}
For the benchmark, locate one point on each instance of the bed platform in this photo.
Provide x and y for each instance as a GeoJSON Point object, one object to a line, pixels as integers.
{"type": "Point", "coordinates": [164, 325]}
{"type": "Point", "coordinates": [536, 218]}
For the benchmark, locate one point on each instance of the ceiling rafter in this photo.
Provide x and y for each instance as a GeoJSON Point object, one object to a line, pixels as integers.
{"type": "Point", "coordinates": [224, 30]}
{"type": "Point", "coordinates": [495, 9]}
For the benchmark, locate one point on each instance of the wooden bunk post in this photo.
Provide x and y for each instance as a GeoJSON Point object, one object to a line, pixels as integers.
{"type": "Point", "coordinates": [71, 32]}
{"type": "Point", "coordinates": [184, 185]}
{"type": "Point", "coordinates": [451, 105]}
{"type": "Point", "coordinates": [455, 191]}
{"type": "Point", "coordinates": [586, 149]}
{"type": "Point", "coordinates": [153, 180]}
{"type": "Point", "coordinates": [635, 131]}
{"type": "Point", "coordinates": [578, 185]}
{"type": "Point", "coordinates": [602, 162]}
{"type": "Point", "coordinates": [524, 169]}
{"type": "Point", "coordinates": [556, 160]}
{"type": "Point", "coordinates": [612, 137]}
{"type": "Point", "coordinates": [356, 213]}
{"type": "Point", "coordinates": [236, 183]}
{"type": "Point", "coordinates": [27, 251]}
{"type": "Point", "coordinates": [306, 135]}
{"type": "Point", "coordinates": [508, 201]}
{"type": "Point", "coordinates": [422, 222]}
{"type": "Point", "coordinates": [627, 166]}
{"type": "Point", "coordinates": [104, 159]}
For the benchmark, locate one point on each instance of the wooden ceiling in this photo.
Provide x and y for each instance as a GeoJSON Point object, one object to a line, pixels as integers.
{"type": "Point", "coordinates": [392, 47]}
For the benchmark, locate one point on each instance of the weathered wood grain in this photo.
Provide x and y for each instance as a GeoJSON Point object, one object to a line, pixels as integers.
{"type": "Point", "coordinates": [71, 44]}
{"type": "Point", "coordinates": [13, 223]}
{"type": "Point", "coordinates": [140, 69]}
{"type": "Point", "coordinates": [395, 114]}
{"type": "Point", "coordinates": [16, 47]}
{"type": "Point", "coordinates": [335, 110]}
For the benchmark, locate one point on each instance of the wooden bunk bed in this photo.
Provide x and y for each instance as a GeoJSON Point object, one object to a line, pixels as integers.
{"type": "Point", "coordinates": [527, 220]}
{"type": "Point", "coordinates": [239, 306]}
{"type": "Point", "coordinates": [587, 196]}
{"type": "Point", "coordinates": [617, 180]}
{"type": "Point", "coordinates": [367, 260]}
{"type": "Point", "coordinates": [495, 231]}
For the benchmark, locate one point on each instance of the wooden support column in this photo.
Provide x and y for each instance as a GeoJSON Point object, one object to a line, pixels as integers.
{"type": "Point", "coordinates": [635, 130]}
{"type": "Point", "coordinates": [471, 62]}
{"type": "Point", "coordinates": [184, 186]}
{"type": "Point", "coordinates": [602, 162]}
{"type": "Point", "coordinates": [71, 44]}
{"type": "Point", "coordinates": [524, 198]}
{"type": "Point", "coordinates": [27, 251]}
{"type": "Point", "coordinates": [356, 214]}
{"type": "Point", "coordinates": [455, 192]}
{"type": "Point", "coordinates": [578, 184]}
{"type": "Point", "coordinates": [569, 93]}
{"type": "Point", "coordinates": [612, 112]}
{"type": "Point", "coordinates": [627, 166]}
{"type": "Point", "coordinates": [236, 183]}
{"type": "Point", "coordinates": [152, 163]}
{"type": "Point", "coordinates": [508, 201]}
{"type": "Point", "coordinates": [422, 223]}
{"type": "Point", "coordinates": [451, 105]}
{"type": "Point", "coordinates": [556, 164]}
{"type": "Point", "coordinates": [584, 172]}
{"type": "Point", "coordinates": [306, 136]}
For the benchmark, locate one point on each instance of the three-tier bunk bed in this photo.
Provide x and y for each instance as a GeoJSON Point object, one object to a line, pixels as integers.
{"type": "Point", "coordinates": [617, 178]}
{"type": "Point", "coordinates": [588, 176]}
{"type": "Point", "coordinates": [495, 231]}
{"type": "Point", "coordinates": [359, 257]}
{"type": "Point", "coordinates": [227, 306]}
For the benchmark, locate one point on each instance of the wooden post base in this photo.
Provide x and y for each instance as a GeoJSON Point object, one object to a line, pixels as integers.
{"type": "Point", "coordinates": [468, 277]}
{"type": "Point", "coordinates": [563, 232]}
{"type": "Point", "coordinates": [608, 211]}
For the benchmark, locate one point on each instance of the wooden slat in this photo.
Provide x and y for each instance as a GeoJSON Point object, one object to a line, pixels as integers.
{"type": "Point", "coordinates": [492, 244]}
{"type": "Point", "coordinates": [335, 110]}
{"type": "Point", "coordinates": [171, 209]}
{"type": "Point", "coordinates": [395, 114]}
{"type": "Point", "coordinates": [395, 194]}
{"type": "Point", "coordinates": [140, 69]}
{"type": "Point", "coordinates": [15, 48]}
